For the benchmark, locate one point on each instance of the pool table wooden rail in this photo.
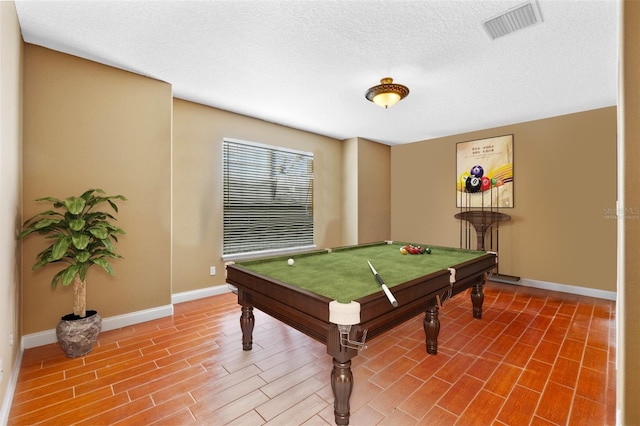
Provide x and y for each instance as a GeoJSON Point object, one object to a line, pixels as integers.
{"type": "Point", "coordinates": [309, 312]}
{"type": "Point", "coordinates": [299, 308]}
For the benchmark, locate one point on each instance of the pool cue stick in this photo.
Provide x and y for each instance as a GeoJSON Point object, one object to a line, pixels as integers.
{"type": "Point", "coordinates": [468, 223]}
{"type": "Point", "coordinates": [482, 215]}
{"type": "Point", "coordinates": [491, 215]}
{"type": "Point", "coordinates": [498, 229]}
{"type": "Point", "coordinates": [392, 299]}
{"type": "Point", "coordinates": [461, 218]}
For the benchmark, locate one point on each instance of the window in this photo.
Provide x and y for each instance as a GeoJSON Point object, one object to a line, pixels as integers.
{"type": "Point", "coordinates": [268, 198]}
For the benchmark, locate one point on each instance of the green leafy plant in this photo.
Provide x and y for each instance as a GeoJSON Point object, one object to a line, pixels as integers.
{"type": "Point", "coordinates": [82, 236]}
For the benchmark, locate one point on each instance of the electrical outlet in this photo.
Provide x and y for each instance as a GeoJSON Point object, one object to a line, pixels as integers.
{"type": "Point", "coordinates": [11, 338]}
{"type": "Point", "coordinates": [212, 270]}
{"type": "Point", "coordinates": [1, 370]}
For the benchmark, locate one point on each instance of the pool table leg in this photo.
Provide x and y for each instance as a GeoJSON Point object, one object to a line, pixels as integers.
{"type": "Point", "coordinates": [342, 385]}
{"type": "Point", "coordinates": [247, 321]}
{"type": "Point", "coordinates": [477, 297]}
{"type": "Point", "coordinates": [431, 324]}
{"type": "Point", "coordinates": [341, 375]}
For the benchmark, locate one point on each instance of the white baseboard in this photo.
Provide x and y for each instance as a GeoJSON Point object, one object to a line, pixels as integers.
{"type": "Point", "coordinates": [563, 288]}
{"type": "Point", "coordinates": [186, 296]}
{"type": "Point", "coordinates": [125, 320]}
{"type": "Point", "coordinates": [110, 323]}
{"type": "Point", "coordinates": [11, 389]}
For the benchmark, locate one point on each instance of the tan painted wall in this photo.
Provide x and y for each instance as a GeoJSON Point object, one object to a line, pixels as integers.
{"type": "Point", "coordinates": [629, 367]}
{"type": "Point", "coordinates": [11, 54]}
{"type": "Point", "coordinates": [564, 187]}
{"type": "Point", "coordinates": [365, 191]}
{"type": "Point", "coordinates": [197, 186]}
{"type": "Point", "coordinates": [350, 167]}
{"type": "Point", "coordinates": [88, 125]}
{"type": "Point", "coordinates": [374, 191]}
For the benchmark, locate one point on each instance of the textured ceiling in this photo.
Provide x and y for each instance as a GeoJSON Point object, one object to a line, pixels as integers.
{"type": "Point", "coordinates": [307, 64]}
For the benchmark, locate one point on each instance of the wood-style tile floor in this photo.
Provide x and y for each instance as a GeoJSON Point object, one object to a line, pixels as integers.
{"type": "Point", "coordinates": [535, 358]}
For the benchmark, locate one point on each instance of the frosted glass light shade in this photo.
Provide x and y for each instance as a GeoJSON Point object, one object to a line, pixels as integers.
{"type": "Point", "coordinates": [387, 93]}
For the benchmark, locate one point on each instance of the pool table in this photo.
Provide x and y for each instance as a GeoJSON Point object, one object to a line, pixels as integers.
{"type": "Point", "coordinates": [300, 295]}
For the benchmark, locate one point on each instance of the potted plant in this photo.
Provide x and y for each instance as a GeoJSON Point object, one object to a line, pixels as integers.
{"type": "Point", "coordinates": [81, 236]}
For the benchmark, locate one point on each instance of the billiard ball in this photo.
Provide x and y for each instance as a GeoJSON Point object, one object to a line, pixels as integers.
{"type": "Point", "coordinates": [474, 184]}
{"type": "Point", "coordinates": [477, 171]}
{"type": "Point", "coordinates": [463, 180]}
{"type": "Point", "coordinates": [428, 250]}
{"type": "Point", "coordinates": [486, 183]}
{"type": "Point", "coordinates": [290, 262]}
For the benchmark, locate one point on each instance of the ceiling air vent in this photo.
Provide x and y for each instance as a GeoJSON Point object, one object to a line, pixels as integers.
{"type": "Point", "coordinates": [514, 19]}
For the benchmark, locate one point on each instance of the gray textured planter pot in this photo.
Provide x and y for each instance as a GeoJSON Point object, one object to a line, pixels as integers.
{"type": "Point", "coordinates": [76, 335]}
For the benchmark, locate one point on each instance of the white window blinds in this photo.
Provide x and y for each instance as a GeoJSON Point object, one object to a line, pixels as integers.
{"type": "Point", "coordinates": [268, 198]}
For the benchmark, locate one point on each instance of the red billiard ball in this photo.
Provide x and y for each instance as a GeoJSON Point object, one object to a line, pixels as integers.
{"type": "Point", "coordinates": [486, 183]}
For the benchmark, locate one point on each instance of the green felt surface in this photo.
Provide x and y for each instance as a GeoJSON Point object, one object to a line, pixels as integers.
{"type": "Point", "coordinates": [344, 275]}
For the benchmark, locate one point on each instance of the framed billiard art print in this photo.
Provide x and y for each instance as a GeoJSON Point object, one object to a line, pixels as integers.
{"type": "Point", "coordinates": [484, 173]}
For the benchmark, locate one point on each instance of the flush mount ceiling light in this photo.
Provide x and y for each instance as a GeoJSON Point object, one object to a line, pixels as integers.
{"type": "Point", "coordinates": [387, 93]}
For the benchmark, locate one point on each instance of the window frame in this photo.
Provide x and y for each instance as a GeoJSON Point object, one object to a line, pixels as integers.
{"type": "Point", "coordinates": [269, 251]}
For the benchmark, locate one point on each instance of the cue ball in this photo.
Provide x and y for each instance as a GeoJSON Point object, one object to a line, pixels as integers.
{"type": "Point", "coordinates": [290, 262]}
